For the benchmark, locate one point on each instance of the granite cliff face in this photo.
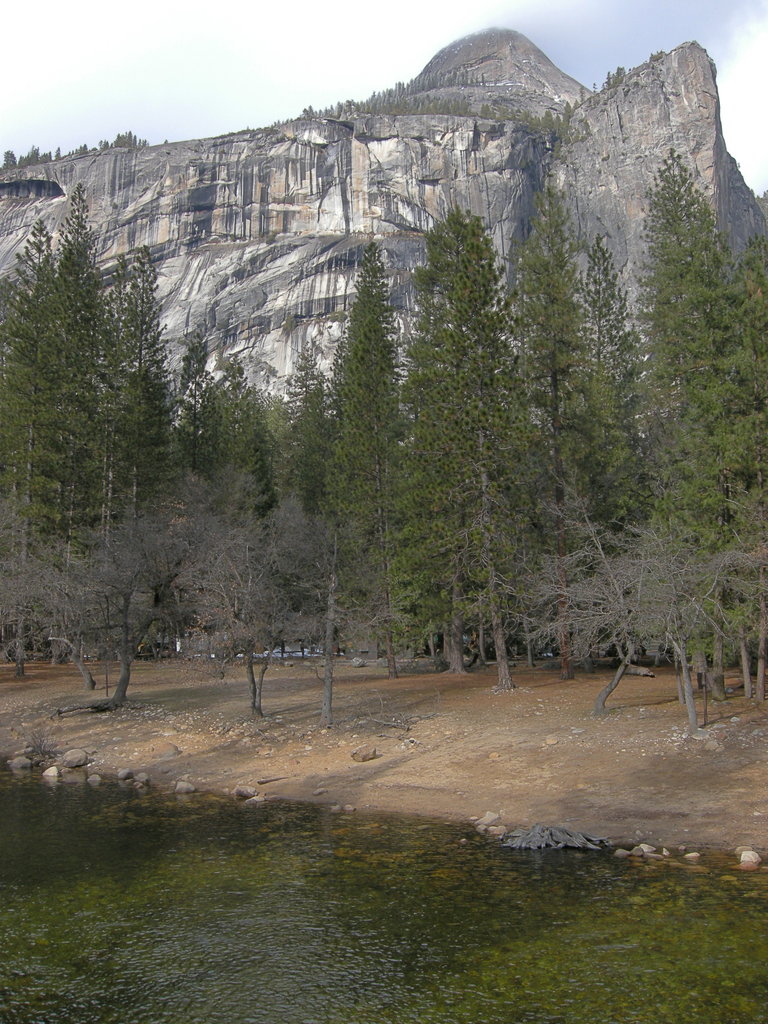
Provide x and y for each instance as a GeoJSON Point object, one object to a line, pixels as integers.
{"type": "Point", "coordinates": [257, 236]}
{"type": "Point", "coordinates": [619, 136]}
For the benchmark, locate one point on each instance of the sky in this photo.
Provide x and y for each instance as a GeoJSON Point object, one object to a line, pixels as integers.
{"type": "Point", "coordinates": [82, 71]}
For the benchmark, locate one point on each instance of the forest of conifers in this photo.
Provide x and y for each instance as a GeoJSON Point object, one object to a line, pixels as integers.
{"type": "Point", "coordinates": [541, 469]}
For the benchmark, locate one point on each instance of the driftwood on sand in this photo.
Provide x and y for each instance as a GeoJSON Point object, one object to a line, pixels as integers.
{"type": "Point", "coordinates": [551, 837]}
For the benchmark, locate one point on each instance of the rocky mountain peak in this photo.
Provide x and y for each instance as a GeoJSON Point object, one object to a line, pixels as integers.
{"type": "Point", "coordinates": [499, 67]}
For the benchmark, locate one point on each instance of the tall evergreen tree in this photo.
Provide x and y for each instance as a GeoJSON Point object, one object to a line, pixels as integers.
{"type": "Point", "coordinates": [136, 412]}
{"type": "Point", "coordinates": [611, 459]}
{"type": "Point", "coordinates": [80, 342]}
{"type": "Point", "coordinates": [549, 324]}
{"type": "Point", "coordinates": [690, 355]}
{"type": "Point", "coordinates": [365, 457]}
{"type": "Point", "coordinates": [198, 427]}
{"type": "Point", "coordinates": [246, 446]}
{"type": "Point", "coordinates": [29, 426]}
{"type": "Point", "coordinates": [309, 434]}
{"type": "Point", "coordinates": [465, 408]}
{"type": "Point", "coordinates": [682, 289]}
{"type": "Point", "coordinates": [750, 319]}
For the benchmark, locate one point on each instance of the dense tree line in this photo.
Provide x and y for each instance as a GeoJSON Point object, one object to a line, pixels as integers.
{"type": "Point", "coordinates": [124, 140]}
{"type": "Point", "coordinates": [534, 469]}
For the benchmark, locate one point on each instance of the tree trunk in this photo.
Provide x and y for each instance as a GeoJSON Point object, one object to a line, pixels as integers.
{"type": "Point", "coordinates": [255, 685]}
{"type": "Point", "coordinates": [699, 663]}
{"type": "Point", "coordinates": [717, 678]}
{"type": "Point", "coordinates": [482, 655]}
{"type": "Point", "coordinates": [529, 652]}
{"type": "Point", "coordinates": [454, 641]}
{"type": "Point", "coordinates": [563, 632]}
{"type": "Point", "coordinates": [391, 659]}
{"type": "Point", "coordinates": [326, 710]}
{"type": "Point", "coordinates": [762, 639]}
{"type": "Point", "coordinates": [602, 697]}
{"type": "Point", "coordinates": [126, 656]}
{"type": "Point", "coordinates": [679, 681]}
{"type": "Point", "coordinates": [118, 697]}
{"type": "Point", "coordinates": [456, 649]}
{"type": "Point", "coordinates": [690, 702]}
{"type": "Point", "coordinates": [746, 673]}
{"type": "Point", "coordinates": [89, 683]}
{"type": "Point", "coordinates": [18, 647]}
{"type": "Point", "coordinates": [504, 681]}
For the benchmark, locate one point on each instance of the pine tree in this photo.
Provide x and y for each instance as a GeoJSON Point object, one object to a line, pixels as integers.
{"type": "Point", "coordinates": [80, 332]}
{"type": "Point", "coordinates": [310, 434]}
{"type": "Point", "coordinates": [690, 354]}
{"type": "Point", "coordinates": [465, 409]}
{"type": "Point", "coordinates": [198, 428]}
{"type": "Point", "coordinates": [683, 305]}
{"type": "Point", "coordinates": [137, 410]}
{"type": "Point", "coordinates": [750, 318]}
{"type": "Point", "coordinates": [246, 449]}
{"type": "Point", "coordinates": [29, 427]}
{"type": "Point", "coordinates": [611, 473]}
{"type": "Point", "coordinates": [365, 402]}
{"type": "Point", "coordinates": [549, 324]}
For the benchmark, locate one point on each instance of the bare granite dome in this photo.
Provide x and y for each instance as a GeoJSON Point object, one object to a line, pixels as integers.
{"type": "Point", "coordinates": [499, 67]}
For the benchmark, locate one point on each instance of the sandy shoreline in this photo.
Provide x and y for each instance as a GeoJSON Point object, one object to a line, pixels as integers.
{"type": "Point", "coordinates": [446, 747]}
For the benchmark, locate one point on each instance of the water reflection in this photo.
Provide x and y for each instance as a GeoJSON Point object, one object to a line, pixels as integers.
{"type": "Point", "coordinates": [133, 909]}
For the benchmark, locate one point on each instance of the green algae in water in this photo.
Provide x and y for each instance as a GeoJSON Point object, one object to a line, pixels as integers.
{"type": "Point", "coordinates": [120, 908]}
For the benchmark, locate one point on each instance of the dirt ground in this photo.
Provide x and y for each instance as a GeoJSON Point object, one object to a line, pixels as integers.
{"type": "Point", "coordinates": [446, 745]}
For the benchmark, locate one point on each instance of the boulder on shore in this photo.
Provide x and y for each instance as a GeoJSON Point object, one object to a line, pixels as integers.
{"type": "Point", "coordinates": [75, 758]}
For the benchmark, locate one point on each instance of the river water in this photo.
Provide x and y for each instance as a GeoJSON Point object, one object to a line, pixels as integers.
{"type": "Point", "coordinates": [122, 908]}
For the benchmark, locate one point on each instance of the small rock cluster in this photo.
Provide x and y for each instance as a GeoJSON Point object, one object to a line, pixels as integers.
{"type": "Point", "coordinates": [69, 767]}
{"type": "Point", "coordinates": [490, 824]}
{"type": "Point", "coordinates": [748, 858]}
{"type": "Point", "coordinates": [72, 766]}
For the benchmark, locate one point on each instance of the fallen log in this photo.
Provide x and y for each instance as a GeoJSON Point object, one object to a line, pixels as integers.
{"type": "Point", "coordinates": [551, 837]}
{"type": "Point", "coordinates": [73, 709]}
{"type": "Point", "coordinates": [639, 670]}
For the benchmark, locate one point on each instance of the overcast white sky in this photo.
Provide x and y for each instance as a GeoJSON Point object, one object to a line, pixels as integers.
{"type": "Point", "coordinates": [177, 69]}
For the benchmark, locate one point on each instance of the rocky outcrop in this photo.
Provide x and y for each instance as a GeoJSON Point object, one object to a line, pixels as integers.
{"type": "Point", "coordinates": [257, 236]}
{"type": "Point", "coordinates": [617, 138]}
